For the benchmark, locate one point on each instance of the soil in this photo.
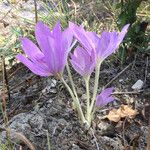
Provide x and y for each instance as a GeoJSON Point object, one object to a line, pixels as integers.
{"type": "Point", "coordinates": [42, 105]}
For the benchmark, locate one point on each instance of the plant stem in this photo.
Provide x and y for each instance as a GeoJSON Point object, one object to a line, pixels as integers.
{"type": "Point", "coordinates": [48, 141]}
{"type": "Point", "coordinates": [76, 101]}
{"type": "Point", "coordinates": [71, 80]}
{"type": "Point", "coordinates": [5, 81]}
{"type": "Point", "coordinates": [97, 69]}
{"type": "Point", "coordinates": [86, 79]}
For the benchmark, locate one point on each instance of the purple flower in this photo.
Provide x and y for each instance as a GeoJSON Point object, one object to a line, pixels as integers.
{"type": "Point", "coordinates": [54, 45]}
{"type": "Point", "coordinates": [83, 61]}
{"type": "Point", "coordinates": [88, 40]}
{"type": "Point", "coordinates": [104, 45]}
{"type": "Point", "coordinates": [109, 42]}
{"type": "Point", "coordinates": [104, 97]}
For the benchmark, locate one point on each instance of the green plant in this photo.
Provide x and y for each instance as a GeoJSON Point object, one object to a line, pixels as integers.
{"type": "Point", "coordinates": [10, 45]}
{"type": "Point", "coordinates": [3, 146]}
{"type": "Point", "coordinates": [137, 38]}
{"type": "Point", "coordinates": [55, 11]}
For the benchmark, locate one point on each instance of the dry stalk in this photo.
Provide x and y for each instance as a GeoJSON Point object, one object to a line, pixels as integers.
{"type": "Point", "coordinates": [5, 79]}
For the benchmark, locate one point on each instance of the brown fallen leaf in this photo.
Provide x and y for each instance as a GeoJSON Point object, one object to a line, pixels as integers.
{"type": "Point", "coordinates": [127, 111]}
{"type": "Point", "coordinates": [113, 115]}
{"type": "Point", "coordinates": [124, 111]}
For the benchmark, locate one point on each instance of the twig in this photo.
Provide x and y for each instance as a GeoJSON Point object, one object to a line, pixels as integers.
{"type": "Point", "coordinates": [3, 104]}
{"type": "Point", "coordinates": [36, 14]}
{"type": "Point", "coordinates": [5, 79]}
{"type": "Point", "coordinates": [19, 136]}
{"type": "Point", "coordinates": [130, 92]}
{"type": "Point", "coordinates": [134, 61]}
{"type": "Point", "coordinates": [48, 141]}
{"type": "Point", "coordinates": [95, 139]}
{"type": "Point", "coordinates": [118, 75]}
{"type": "Point", "coordinates": [3, 109]}
{"type": "Point", "coordinates": [146, 71]}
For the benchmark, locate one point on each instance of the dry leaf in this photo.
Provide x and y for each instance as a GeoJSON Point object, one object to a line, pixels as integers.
{"type": "Point", "coordinates": [127, 111]}
{"type": "Point", "coordinates": [124, 111]}
{"type": "Point", "coordinates": [113, 115]}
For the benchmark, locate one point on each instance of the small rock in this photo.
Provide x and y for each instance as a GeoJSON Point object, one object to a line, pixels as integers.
{"type": "Point", "coordinates": [121, 80]}
{"type": "Point", "coordinates": [53, 83]}
{"type": "Point", "coordinates": [138, 85]}
{"type": "Point", "coordinates": [53, 91]}
{"type": "Point", "coordinates": [49, 89]}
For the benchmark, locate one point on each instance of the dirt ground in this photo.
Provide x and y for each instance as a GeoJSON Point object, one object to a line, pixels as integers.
{"type": "Point", "coordinates": [42, 105]}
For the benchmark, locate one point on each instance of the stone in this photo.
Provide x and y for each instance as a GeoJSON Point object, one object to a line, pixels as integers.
{"type": "Point", "coordinates": [138, 85]}
{"type": "Point", "coordinates": [121, 80]}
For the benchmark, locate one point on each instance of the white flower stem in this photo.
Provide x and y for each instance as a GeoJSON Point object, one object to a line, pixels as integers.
{"type": "Point", "coordinates": [71, 80]}
{"type": "Point", "coordinates": [86, 79]}
{"type": "Point", "coordinates": [97, 70]}
{"type": "Point", "coordinates": [76, 101]}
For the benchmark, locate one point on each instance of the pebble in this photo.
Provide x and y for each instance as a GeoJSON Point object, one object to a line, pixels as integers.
{"type": "Point", "coordinates": [121, 80]}
{"type": "Point", "coordinates": [138, 85]}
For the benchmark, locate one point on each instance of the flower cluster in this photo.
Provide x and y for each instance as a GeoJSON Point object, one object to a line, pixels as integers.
{"type": "Point", "coordinates": [53, 52]}
{"type": "Point", "coordinates": [51, 56]}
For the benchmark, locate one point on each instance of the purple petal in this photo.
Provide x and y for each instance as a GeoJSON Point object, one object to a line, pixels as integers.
{"type": "Point", "coordinates": [77, 67]}
{"type": "Point", "coordinates": [42, 32]}
{"type": "Point", "coordinates": [31, 50]}
{"type": "Point", "coordinates": [112, 45]}
{"type": "Point", "coordinates": [103, 44]}
{"type": "Point", "coordinates": [104, 97]}
{"type": "Point", "coordinates": [67, 37]}
{"type": "Point", "coordinates": [81, 54]}
{"type": "Point", "coordinates": [55, 57]}
{"type": "Point", "coordinates": [106, 92]}
{"type": "Point", "coordinates": [122, 33]}
{"type": "Point", "coordinates": [51, 55]}
{"type": "Point", "coordinates": [82, 61]}
{"type": "Point", "coordinates": [56, 29]}
{"type": "Point", "coordinates": [61, 50]}
{"type": "Point", "coordinates": [93, 39]}
{"type": "Point", "coordinates": [77, 60]}
{"type": "Point", "coordinates": [80, 35]}
{"type": "Point", "coordinates": [107, 44]}
{"type": "Point", "coordinates": [33, 67]}
{"type": "Point", "coordinates": [54, 50]}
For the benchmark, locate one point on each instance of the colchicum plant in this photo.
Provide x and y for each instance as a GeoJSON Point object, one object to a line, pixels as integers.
{"type": "Point", "coordinates": [53, 54]}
